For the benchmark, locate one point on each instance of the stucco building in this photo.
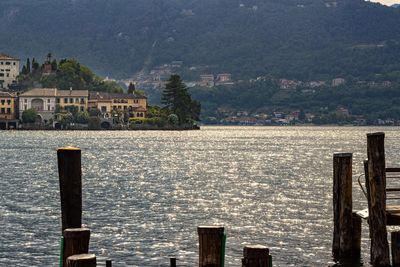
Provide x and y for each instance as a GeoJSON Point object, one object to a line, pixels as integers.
{"type": "Point", "coordinates": [8, 111]}
{"type": "Point", "coordinates": [9, 70]}
{"type": "Point", "coordinates": [133, 104]}
{"type": "Point", "coordinates": [72, 98]}
{"type": "Point", "coordinates": [43, 100]}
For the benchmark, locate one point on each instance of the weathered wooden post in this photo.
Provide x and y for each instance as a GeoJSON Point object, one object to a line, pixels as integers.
{"type": "Point", "coordinates": [395, 245]}
{"type": "Point", "coordinates": [76, 241]}
{"type": "Point", "coordinates": [255, 256]}
{"type": "Point", "coordinates": [81, 260]}
{"type": "Point", "coordinates": [211, 246]}
{"type": "Point", "coordinates": [70, 177]}
{"type": "Point", "coordinates": [368, 199]}
{"type": "Point", "coordinates": [108, 263]}
{"type": "Point", "coordinates": [377, 188]}
{"type": "Point", "coordinates": [347, 227]}
{"type": "Point", "coordinates": [172, 262]}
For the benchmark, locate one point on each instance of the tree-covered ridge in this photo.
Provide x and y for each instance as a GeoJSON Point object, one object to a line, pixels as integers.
{"type": "Point", "coordinates": [367, 102]}
{"type": "Point", "coordinates": [295, 39]}
{"type": "Point", "coordinates": [65, 74]}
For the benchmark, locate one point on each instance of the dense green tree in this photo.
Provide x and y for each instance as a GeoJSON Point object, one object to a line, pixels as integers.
{"type": "Point", "coordinates": [54, 65]}
{"type": "Point", "coordinates": [131, 88]}
{"type": "Point", "coordinates": [178, 100]}
{"type": "Point", "coordinates": [24, 71]}
{"type": "Point", "coordinates": [35, 65]}
{"type": "Point", "coordinates": [28, 66]}
{"type": "Point", "coordinates": [29, 115]}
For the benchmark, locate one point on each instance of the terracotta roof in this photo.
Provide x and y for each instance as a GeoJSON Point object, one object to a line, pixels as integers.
{"type": "Point", "coordinates": [103, 95]}
{"type": "Point", "coordinates": [5, 94]}
{"type": "Point", "coordinates": [41, 92]}
{"type": "Point", "coordinates": [7, 57]}
{"type": "Point", "coordinates": [72, 93]}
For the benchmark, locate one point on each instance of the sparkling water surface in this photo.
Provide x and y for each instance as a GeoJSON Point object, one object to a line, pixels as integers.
{"type": "Point", "coordinates": [145, 192]}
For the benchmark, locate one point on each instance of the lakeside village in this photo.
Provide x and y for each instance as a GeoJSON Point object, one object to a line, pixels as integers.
{"type": "Point", "coordinates": [201, 77]}
{"type": "Point", "coordinates": [79, 109]}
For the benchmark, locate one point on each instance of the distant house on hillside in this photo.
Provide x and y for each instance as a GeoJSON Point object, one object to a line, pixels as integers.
{"type": "Point", "coordinates": [207, 80]}
{"type": "Point", "coordinates": [9, 70]}
{"type": "Point", "coordinates": [224, 79]}
{"type": "Point", "coordinates": [338, 82]}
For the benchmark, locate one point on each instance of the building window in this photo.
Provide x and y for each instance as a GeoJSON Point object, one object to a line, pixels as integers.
{"type": "Point", "coordinates": [3, 101]}
{"type": "Point", "coordinates": [8, 110]}
{"type": "Point", "coordinates": [25, 107]}
{"type": "Point", "coordinates": [58, 101]}
{"type": "Point", "coordinates": [25, 101]}
{"type": "Point", "coordinates": [82, 100]}
{"type": "Point", "coordinates": [65, 100]}
{"type": "Point", "coordinates": [8, 63]}
{"type": "Point", "coordinates": [2, 111]}
{"type": "Point", "coordinates": [8, 102]}
{"type": "Point", "coordinates": [48, 107]}
{"type": "Point", "coordinates": [1, 74]}
{"type": "Point", "coordinates": [103, 109]}
{"type": "Point", "coordinates": [82, 109]}
{"type": "Point", "coordinates": [71, 100]}
{"type": "Point", "coordinates": [14, 63]}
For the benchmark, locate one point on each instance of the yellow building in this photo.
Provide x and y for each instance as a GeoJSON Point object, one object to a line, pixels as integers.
{"type": "Point", "coordinates": [72, 98]}
{"type": "Point", "coordinates": [8, 114]}
{"type": "Point", "coordinates": [107, 103]}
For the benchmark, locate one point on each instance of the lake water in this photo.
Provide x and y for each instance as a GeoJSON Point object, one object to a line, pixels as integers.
{"type": "Point", "coordinates": [145, 193]}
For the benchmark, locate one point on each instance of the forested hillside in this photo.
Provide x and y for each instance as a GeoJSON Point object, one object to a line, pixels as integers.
{"type": "Point", "coordinates": [295, 39]}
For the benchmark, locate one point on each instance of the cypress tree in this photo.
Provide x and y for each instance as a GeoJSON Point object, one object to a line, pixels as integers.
{"type": "Point", "coordinates": [131, 88]}
{"type": "Point", "coordinates": [28, 66]}
{"type": "Point", "coordinates": [177, 100]}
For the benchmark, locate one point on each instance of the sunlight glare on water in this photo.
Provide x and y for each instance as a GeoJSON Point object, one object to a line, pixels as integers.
{"type": "Point", "coordinates": [145, 193]}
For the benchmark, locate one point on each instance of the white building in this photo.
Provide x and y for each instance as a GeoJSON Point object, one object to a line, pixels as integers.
{"type": "Point", "coordinates": [9, 70]}
{"type": "Point", "coordinates": [43, 100]}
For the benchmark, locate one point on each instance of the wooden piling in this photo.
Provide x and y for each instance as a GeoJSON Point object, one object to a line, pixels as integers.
{"type": "Point", "coordinates": [211, 245]}
{"type": "Point", "coordinates": [70, 177]}
{"type": "Point", "coordinates": [395, 246]}
{"type": "Point", "coordinates": [108, 263]}
{"type": "Point", "coordinates": [81, 260]}
{"type": "Point", "coordinates": [76, 241]}
{"type": "Point", "coordinates": [172, 262]}
{"type": "Point", "coordinates": [377, 188]}
{"type": "Point", "coordinates": [346, 236]}
{"type": "Point", "coordinates": [255, 256]}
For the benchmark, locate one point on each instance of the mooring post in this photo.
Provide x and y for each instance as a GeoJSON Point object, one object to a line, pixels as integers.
{"type": "Point", "coordinates": [70, 177]}
{"type": "Point", "coordinates": [347, 228]}
{"type": "Point", "coordinates": [395, 246]}
{"type": "Point", "coordinates": [255, 256]}
{"type": "Point", "coordinates": [76, 241]}
{"type": "Point", "coordinates": [377, 188]}
{"type": "Point", "coordinates": [81, 260]}
{"type": "Point", "coordinates": [211, 245]}
{"type": "Point", "coordinates": [172, 262]}
{"type": "Point", "coordinates": [368, 199]}
{"type": "Point", "coordinates": [108, 263]}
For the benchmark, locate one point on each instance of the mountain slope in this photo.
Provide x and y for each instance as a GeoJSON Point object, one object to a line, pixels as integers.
{"type": "Point", "coordinates": [303, 39]}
